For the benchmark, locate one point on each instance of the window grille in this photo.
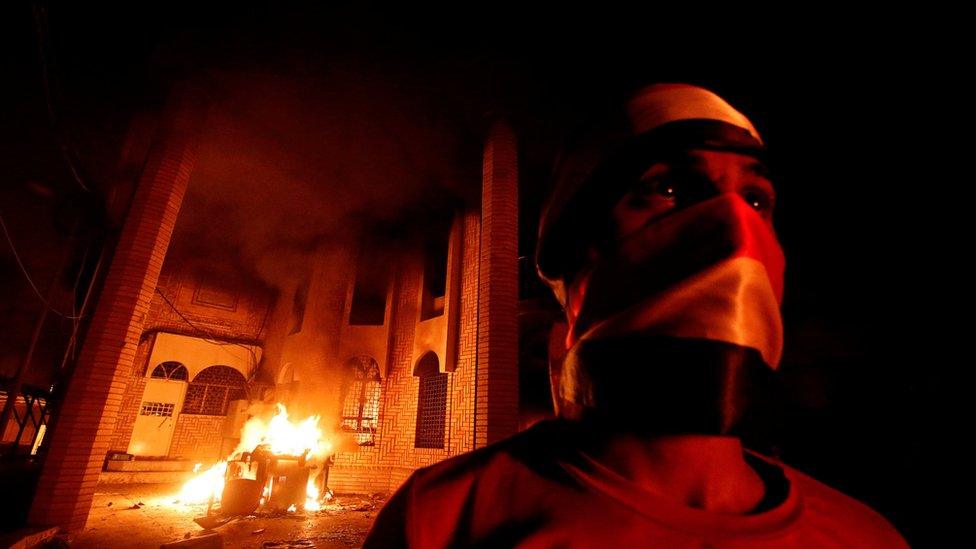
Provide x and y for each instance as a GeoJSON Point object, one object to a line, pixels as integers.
{"type": "Point", "coordinates": [361, 399]}
{"type": "Point", "coordinates": [431, 404]}
{"type": "Point", "coordinates": [161, 409]}
{"type": "Point", "coordinates": [213, 389]}
{"type": "Point", "coordinates": [171, 370]}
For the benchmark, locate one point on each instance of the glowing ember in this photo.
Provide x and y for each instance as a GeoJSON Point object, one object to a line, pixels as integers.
{"type": "Point", "coordinates": [284, 437]}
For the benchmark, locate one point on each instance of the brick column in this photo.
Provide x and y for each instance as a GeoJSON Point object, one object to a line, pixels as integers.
{"type": "Point", "coordinates": [83, 431]}
{"type": "Point", "coordinates": [496, 398]}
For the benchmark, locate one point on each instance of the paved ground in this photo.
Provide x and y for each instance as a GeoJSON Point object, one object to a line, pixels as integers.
{"type": "Point", "coordinates": [143, 515]}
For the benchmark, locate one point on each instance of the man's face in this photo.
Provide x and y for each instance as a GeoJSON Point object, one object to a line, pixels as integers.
{"type": "Point", "coordinates": [688, 270]}
{"type": "Point", "coordinates": [693, 176]}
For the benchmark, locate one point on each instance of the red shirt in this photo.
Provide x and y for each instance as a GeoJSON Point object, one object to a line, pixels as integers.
{"type": "Point", "coordinates": [536, 490]}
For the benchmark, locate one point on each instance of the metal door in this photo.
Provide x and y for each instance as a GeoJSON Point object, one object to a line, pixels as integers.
{"type": "Point", "coordinates": [156, 421]}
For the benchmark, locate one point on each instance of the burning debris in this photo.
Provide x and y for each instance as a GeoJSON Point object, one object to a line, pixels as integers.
{"type": "Point", "coordinates": [279, 466]}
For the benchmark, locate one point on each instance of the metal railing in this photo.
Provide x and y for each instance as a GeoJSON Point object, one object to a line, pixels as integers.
{"type": "Point", "coordinates": [24, 432]}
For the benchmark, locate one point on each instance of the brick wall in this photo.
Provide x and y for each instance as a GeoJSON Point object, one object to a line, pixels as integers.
{"type": "Point", "coordinates": [369, 466]}
{"type": "Point", "coordinates": [82, 433]}
{"type": "Point", "coordinates": [482, 402]}
{"type": "Point", "coordinates": [312, 354]}
{"type": "Point", "coordinates": [386, 465]}
{"type": "Point", "coordinates": [240, 315]}
{"type": "Point", "coordinates": [243, 317]}
{"type": "Point", "coordinates": [131, 398]}
{"type": "Point", "coordinates": [461, 393]}
{"type": "Point", "coordinates": [360, 479]}
{"type": "Point", "coordinates": [198, 438]}
{"type": "Point", "coordinates": [496, 402]}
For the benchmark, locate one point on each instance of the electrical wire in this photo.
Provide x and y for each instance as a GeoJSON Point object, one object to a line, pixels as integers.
{"type": "Point", "coordinates": [27, 275]}
{"type": "Point", "coordinates": [208, 336]}
{"type": "Point", "coordinates": [68, 154]}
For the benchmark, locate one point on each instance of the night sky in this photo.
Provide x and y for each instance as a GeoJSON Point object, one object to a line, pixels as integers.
{"type": "Point", "coordinates": [838, 100]}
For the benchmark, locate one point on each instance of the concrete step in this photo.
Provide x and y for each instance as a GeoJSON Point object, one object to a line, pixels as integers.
{"type": "Point", "coordinates": [151, 465]}
{"type": "Point", "coordinates": [28, 538]}
{"type": "Point", "coordinates": [144, 477]}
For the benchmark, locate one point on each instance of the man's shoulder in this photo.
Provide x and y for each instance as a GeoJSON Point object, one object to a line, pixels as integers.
{"type": "Point", "coordinates": [829, 509]}
{"type": "Point", "coordinates": [438, 504]}
{"type": "Point", "coordinates": [526, 450]}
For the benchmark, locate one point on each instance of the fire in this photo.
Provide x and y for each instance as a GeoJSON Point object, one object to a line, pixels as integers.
{"type": "Point", "coordinates": [209, 484]}
{"type": "Point", "coordinates": [284, 436]}
{"type": "Point", "coordinates": [312, 496]}
{"type": "Point", "coordinates": [281, 436]}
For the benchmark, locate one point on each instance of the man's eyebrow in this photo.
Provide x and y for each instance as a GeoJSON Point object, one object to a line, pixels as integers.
{"type": "Point", "coordinates": [682, 161]}
{"type": "Point", "coordinates": [759, 169]}
{"type": "Point", "coordinates": [655, 169]}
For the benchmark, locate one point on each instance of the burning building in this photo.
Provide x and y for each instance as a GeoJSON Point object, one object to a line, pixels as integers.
{"type": "Point", "coordinates": [384, 342]}
{"type": "Point", "coordinates": [401, 336]}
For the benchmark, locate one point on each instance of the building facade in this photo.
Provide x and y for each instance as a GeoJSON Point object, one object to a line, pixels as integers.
{"type": "Point", "coordinates": [407, 349]}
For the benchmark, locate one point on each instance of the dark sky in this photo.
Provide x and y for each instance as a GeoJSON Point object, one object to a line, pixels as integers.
{"type": "Point", "coordinates": [842, 100]}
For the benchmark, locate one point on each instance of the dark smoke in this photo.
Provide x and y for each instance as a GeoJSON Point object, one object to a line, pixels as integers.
{"type": "Point", "coordinates": [293, 160]}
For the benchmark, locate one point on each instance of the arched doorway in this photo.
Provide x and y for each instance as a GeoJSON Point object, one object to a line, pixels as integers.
{"type": "Point", "coordinates": [162, 400]}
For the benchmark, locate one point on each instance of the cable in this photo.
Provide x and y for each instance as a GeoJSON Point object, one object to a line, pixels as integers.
{"type": "Point", "coordinates": [28, 277]}
{"type": "Point", "coordinates": [64, 147]}
{"type": "Point", "coordinates": [74, 294]}
{"type": "Point", "coordinates": [208, 337]}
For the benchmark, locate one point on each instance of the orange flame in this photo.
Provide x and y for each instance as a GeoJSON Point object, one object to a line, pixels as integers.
{"type": "Point", "coordinates": [285, 437]}
{"type": "Point", "coordinates": [206, 485]}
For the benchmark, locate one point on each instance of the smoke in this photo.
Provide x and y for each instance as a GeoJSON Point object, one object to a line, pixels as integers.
{"type": "Point", "coordinates": [300, 158]}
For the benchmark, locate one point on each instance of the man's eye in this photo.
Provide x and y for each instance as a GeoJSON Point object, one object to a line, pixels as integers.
{"type": "Point", "coordinates": [758, 199]}
{"type": "Point", "coordinates": [652, 193]}
{"type": "Point", "coordinates": [658, 187]}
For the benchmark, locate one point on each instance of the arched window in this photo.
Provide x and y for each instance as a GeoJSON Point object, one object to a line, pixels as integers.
{"type": "Point", "coordinates": [173, 371]}
{"type": "Point", "coordinates": [361, 399]}
{"type": "Point", "coordinates": [212, 389]}
{"type": "Point", "coordinates": [431, 403]}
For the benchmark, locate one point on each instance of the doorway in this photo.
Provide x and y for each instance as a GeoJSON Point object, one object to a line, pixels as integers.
{"type": "Point", "coordinates": [161, 404]}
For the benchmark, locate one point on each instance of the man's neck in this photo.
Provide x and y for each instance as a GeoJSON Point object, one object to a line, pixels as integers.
{"type": "Point", "coordinates": [701, 471]}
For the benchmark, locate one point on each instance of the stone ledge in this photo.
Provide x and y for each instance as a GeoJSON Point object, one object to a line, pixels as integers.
{"type": "Point", "coordinates": [150, 465]}
{"type": "Point", "coordinates": [143, 477]}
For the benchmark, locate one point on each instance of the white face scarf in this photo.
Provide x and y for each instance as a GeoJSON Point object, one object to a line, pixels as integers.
{"type": "Point", "coordinates": [711, 272]}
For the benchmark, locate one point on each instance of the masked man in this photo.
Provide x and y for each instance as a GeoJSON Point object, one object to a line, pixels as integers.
{"type": "Point", "coordinates": [658, 241]}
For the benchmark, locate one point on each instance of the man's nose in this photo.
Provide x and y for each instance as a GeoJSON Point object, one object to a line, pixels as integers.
{"type": "Point", "coordinates": [703, 188]}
